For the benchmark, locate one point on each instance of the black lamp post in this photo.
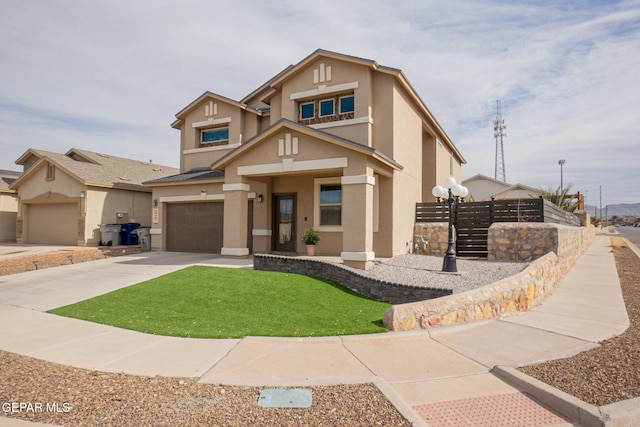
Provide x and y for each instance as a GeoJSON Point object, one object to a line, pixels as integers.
{"type": "Point", "coordinates": [455, 193]}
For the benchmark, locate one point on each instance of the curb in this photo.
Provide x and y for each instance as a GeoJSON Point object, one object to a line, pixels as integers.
{"type": "Point", "coordinates": [400, 404]}
{"type": "Point", "coordinates": [623, 413]}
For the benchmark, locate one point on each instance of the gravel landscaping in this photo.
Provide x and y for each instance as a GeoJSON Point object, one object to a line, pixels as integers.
{"type": "Point", "coordinates": [603, 375]}
{"type": "Point", "coordinates": [422, 270]}
{"type": "Point", "coordinates": [89, 398]}
{"type": "Point", "coordinates": [610, 372]}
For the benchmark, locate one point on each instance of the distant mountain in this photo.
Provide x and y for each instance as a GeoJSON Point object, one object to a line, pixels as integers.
{"type": "Point", "coordinates": [622, 209]}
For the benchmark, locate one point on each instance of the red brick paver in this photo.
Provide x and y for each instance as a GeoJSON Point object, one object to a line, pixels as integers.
{"type": "Point", "coordinates": [501, 410]}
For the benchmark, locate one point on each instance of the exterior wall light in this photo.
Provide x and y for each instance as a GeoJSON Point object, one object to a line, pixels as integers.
{"type": "Point", "coordinates": [259, 198]}
{"type": "Point", "coordinates": [451, 194]}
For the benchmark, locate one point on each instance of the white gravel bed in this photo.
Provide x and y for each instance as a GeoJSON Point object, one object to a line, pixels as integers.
{"type": "Point", "coordinates": [426, 271]}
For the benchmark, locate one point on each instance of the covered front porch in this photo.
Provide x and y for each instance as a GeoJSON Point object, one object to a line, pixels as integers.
{"type": "Point", "coordinates": [302, 181]}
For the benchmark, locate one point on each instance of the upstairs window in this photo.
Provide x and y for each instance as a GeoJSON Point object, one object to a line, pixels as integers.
{"type": "Point", "coordinates": [307, 111]}
{"type": "Point", "coordinates": [327, 108]}
{"type": "Point", "coordinates": [217, 136]}
{"type": "Point", "coordinates": [347, 104]}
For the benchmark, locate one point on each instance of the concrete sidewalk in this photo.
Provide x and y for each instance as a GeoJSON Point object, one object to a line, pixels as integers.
{"type": "Point", "coordinates": [437, 375]}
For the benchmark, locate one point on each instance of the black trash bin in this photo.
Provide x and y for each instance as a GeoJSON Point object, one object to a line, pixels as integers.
{"type": "Point", "coordinates": [128, 233]}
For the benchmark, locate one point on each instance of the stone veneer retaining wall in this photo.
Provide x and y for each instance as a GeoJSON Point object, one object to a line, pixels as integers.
{"type": "Point", "coordinates": [507, 241]}
{"type": "Point", "coordinates": [430, 238]}
{"type": "Point", "coordinates": [394, 293]}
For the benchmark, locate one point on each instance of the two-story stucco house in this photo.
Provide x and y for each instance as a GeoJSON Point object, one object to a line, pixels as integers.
{"type": "Point", "coordinates": [335, 142]}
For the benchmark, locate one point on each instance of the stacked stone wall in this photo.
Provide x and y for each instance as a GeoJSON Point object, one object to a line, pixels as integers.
{"type": "Point", "coordinates": [430, 238]}
{"type": "Point", "coordinates": [41, 261]}
{"type": "Point", "coordinates": [551, 250]}
{"type": "Point", "coordinates": [394, 293]}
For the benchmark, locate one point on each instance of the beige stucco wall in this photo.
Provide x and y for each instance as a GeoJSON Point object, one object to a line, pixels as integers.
{"type": "Point", "coordinates": [243, 125]}
{"type": "Point", "coordinates": [8, 215]}
{"type": "Point", "coordinates": [482, 190]}
{"type": "Point", "coordinates": [407, 185]}
{"type": "Point", "coordinates": [113, 206]}
{"type": "Point", "coordinates": [37, 184]}
{"type": "Point", "coordinates": [282, 106]}
{"type": "Point", "coordinates": [383, 114]}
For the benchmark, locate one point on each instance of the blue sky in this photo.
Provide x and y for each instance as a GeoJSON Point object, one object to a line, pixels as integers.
{"type": "Point", "coordinates": [109, 76]}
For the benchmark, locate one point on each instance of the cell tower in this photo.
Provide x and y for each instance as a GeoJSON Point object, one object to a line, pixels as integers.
{"type": "Point", "coordinates": [499, 134]}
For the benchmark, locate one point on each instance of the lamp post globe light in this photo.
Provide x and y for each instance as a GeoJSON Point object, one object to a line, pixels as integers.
{"type": "Point", "coordinates": [451, 194]}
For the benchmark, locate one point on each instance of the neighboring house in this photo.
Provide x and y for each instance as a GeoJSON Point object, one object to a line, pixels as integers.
{"type": "Point", "coordinates": [335, 142]}
{"type": "Point", "coordinates": [482, 188]}
{"type": "Point", "coordinates": [8, 206]}
{"type": "Point", "coordinates": [63, 198]}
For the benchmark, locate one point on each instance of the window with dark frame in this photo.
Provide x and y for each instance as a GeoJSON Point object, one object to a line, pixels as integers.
{"type": "Point", "coordinates": [331, 204]}
{"type": "Point", "coordinates": [307, 111]}
{"type": "Point", "coordinates": [216, 136]}
{"type": "Point", "coordinates": [328, 109]}
{"type": "Point", "coordinates": [346, 104]}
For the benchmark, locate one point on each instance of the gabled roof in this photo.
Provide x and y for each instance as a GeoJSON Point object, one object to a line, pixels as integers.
{"type": "Point", "coordinates": [194, 175]}
{"type": "Point", "coordinates": [6, 179]}
{"type": "Point", "coordinates": [430, 121]}
{"type": "Point", "coordinates": [210, 95]}
{"type": "Point", "coordinates": [265, 87]}
{"type": "Point", "coordinates": [96, 169]}
{"type": "Point", "coordinates": [288, 124]}
{"type": "Point", "coordinates": [480, 177]}
{"type": "Point", "coordinates": [517, 187]}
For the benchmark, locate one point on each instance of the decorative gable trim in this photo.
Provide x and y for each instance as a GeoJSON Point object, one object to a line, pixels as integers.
{"type": "Point", "coordinates": [211, 122]}
{"type": "Point", "coordinates": [290, 165]}
{"type": "Point", "coordinates": [323, 90]}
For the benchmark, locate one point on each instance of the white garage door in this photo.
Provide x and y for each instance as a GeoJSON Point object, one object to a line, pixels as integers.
{"type": "Point", "coordinates": [53, 224]}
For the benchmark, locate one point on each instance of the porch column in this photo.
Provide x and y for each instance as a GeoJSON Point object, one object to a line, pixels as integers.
{"type": "Point", "coordinates": [357, 220]}
{"type": "Point", "coordinates": [234, 237]}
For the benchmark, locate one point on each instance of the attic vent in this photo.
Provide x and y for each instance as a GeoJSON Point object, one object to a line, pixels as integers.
{"type": "Point", "coordinates": [103, 155]}
{"type": "Point", "coordinates": [123, 178]}
{"type": "Point", "coordinates": [143, 163]}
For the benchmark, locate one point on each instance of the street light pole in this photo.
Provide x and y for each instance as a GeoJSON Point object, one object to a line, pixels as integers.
{"type": "Point", "coordinates": [455, 193]}
{"type": "Point", "coordinates": [561, 162]}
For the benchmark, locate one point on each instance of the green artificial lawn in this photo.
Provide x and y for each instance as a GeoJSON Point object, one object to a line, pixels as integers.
{"type": "Point", "coordinates": [210, 302]}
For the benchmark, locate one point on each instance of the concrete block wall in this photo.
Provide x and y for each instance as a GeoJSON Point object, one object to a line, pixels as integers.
{"type": "Point", "coordinates": [394, 293]}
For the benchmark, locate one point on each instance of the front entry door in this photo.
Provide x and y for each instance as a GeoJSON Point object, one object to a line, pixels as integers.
{"type": "Point", "coordinates": [284, 216]}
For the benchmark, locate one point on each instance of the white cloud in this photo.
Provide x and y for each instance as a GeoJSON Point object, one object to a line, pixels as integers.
{"type": "Point", "coordinates": [109, 76]}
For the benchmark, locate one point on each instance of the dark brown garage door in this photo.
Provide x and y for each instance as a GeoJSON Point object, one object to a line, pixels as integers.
{"type": "Point", "coordinates": [195, 227]}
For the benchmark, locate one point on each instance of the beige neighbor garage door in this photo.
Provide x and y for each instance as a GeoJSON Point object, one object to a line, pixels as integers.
{"type": "Point", "coordinates": [195, 227]}
{"type": "Point", "coordinates": [53, 224]}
